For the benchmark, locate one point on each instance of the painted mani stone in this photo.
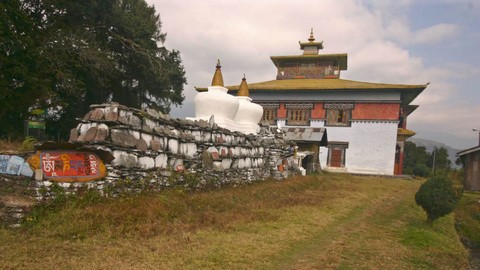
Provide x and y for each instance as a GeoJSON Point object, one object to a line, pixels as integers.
{"type": "Point", "coordinates": [68, 166]}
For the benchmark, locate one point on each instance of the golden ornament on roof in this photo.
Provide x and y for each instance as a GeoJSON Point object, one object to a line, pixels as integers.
{"type": "Point", "coordinates": [312, 38]}
{"type": "Point", "coordinates": [243, 89]}
{"type": "Point", "coordinates": [217, 77]}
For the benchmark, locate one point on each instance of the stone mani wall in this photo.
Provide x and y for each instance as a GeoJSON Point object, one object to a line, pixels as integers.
{"type": "Point", "coordinates": [152, 151]}
{"type": "Point", "coordinates": [149, 151]}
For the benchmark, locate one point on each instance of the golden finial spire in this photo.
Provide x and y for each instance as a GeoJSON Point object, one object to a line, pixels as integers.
{"type": "Point", "coordinates": [312, 38]}
{"type": "Point", "coordinates": [217, 77]}
{"type": "Point", "coordinates": [243, 89]}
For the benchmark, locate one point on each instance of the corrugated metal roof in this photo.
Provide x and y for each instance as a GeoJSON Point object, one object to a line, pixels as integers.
{"type": "Point", "coordinates": [468, 151]}
{"type": "Point", "coordinates": [306, 134]}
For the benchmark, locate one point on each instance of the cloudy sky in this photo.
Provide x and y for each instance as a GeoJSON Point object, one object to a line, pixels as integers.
{"type": "Point", "coordinates": [391, 41]}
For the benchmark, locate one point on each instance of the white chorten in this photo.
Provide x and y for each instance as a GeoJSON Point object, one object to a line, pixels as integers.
{"type": "Point", "coordinates": [217, 102]}
{"type": "Point", "coordinates": [249, 114]}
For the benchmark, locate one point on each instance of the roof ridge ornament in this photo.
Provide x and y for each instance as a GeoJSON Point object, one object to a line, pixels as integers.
{"type": "Point", "coordinates": [312, 38]}
{"type": "Point", "coordinates": [218, 77]}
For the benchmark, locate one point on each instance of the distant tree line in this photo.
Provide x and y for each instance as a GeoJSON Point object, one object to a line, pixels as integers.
{"type": "Point", "coordinates": [417, 161]}
{"type": "Point", "coordinates": [60, 56]}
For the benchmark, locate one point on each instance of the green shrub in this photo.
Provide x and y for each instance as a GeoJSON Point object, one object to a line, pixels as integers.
{"type": "Point", "coordinates": [421, 170]}
{"type": "Point", "coordinates": [438, 197]}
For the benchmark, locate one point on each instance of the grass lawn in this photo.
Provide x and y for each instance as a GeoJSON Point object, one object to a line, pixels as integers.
{"type": "Point", "coordinates": [329, 221]}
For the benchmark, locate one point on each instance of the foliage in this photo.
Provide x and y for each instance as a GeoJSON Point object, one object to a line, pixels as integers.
{"type": "Point", "coordinates": [421, 170]}
{"type": "Point", "coordinates": [437, 196]}
{"type": "Point", "coordinates": [27, 144]}
{"type": "Point", "coordinates": [419, 162]}
{"type": "Point", "coordinates": [62, 56]}
{"type": "Point", "coordinates": [467, 219]}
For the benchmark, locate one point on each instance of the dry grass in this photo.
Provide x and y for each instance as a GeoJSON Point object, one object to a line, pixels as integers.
{"type": "Point", "coordinates": [6, 145]}
{"type": "Point", "coordinates": [315, 222]}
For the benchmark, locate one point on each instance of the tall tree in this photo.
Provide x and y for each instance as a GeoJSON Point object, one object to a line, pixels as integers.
{"type": "Point", "coordinates": [22, 77]}
{"type": "Point", "coordinates": [95, 51]}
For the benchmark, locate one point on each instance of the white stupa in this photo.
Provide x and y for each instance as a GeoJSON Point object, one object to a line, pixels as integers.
{"type": "Point", "coordinates": [249, 114]}
{"type": "Point", "coordinates": [217, 102]}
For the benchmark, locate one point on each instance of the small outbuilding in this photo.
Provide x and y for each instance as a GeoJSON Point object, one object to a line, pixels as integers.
{"type": "Point", "coordinates": [471, 161]}
{"type": "Point", "coordinates": [308, 142]}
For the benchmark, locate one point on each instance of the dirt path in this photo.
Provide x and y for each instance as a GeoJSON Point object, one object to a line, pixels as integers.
{"type": "Point", "coordinates": [363, 224]}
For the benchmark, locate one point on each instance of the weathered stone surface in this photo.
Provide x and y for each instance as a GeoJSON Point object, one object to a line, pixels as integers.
{"type": "Point", "coordinates": [73, 134]}
{"type": "Point", "coordinates": [223, 152]}
{"type": "Point", "coordinates": [123, 138]}
{"type": "Point", "coordinates": [217, 166]}
{"type": "Point", "coordinates": [161, 161]}
{"type": "Point", "coordinates": [111, 116]}
{"type": "Point", "coordinates": [202, 123]}
{"type": "Point", "coordinates": [141, 145]}
{"type": "Point", "coordinates": [134, 121]}
{"type": "Point", "coordinates": [102, 133]}
{"type": "Point", "coordinates": [226, 163]}
{"type": "Point", "coordinates": [90, 135]}
{"type": "Point", "coordinates": [87, 115]}
{"type": "Point", "coordinates": [188, 149]}
{"type": "Point", "coordinates": [155, 145]}
{"type": "Point", "coordinates": [146, 162]}
{"type": "Point", "coordinates": [173, 146]}
{"type": "Point", "coordinates": [97, 114]}
{"type": "Point", "coordinates": [207, 160]}
{"type": "Point", "coordinates": [153, 113]}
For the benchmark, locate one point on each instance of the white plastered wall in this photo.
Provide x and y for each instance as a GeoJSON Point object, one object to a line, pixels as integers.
{"type": "Point", "coordinates": [371, 146]}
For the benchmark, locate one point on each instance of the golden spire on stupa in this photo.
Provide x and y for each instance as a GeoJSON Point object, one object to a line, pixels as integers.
{"type": "Point", "coordinates": [243, 89]}
{"type": "Point", "coordinates": [217, 77]}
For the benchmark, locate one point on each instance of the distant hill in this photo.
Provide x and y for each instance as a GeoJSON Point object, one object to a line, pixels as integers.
{"type": "Point", "coordinates": [430, 145]}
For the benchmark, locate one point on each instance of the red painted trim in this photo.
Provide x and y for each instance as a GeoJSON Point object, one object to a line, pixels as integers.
{"type": "Point", "coordinates": [374, 111]}
{"type": "Point", "coordinates": [318, 111]}
{"type": "Point", "coordinates": [400, 165]}
{"type": "Point", "coordinates": [282, 111]}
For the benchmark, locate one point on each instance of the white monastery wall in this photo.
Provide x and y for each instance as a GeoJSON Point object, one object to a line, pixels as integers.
{"type": "Point", "coordinates": [371, 146]}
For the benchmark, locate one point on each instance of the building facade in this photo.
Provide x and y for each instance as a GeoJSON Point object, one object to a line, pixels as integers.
{"type": "Point", "coordinates": [366, 122]}
{"type": "Point", "coordinates": [471, 162]}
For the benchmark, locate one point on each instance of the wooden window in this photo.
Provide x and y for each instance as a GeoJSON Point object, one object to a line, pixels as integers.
{"type": "Point", "coordinates": [298, 117]}
{"type": "Point", "coordinates": [336, 154]}
{"type": "Point", "coordinates": [338, 114]}
{"type": "Point", "coordinates": [269, 115]}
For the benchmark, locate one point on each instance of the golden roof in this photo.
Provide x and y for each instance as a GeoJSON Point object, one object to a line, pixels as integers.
{"type": "Point", "coordinates": [323, 84]}
{"type": "Point", "coordinates": [408, 92]}
{"type": "Point", "coordinates": [405, 132]}
{"type": "Point", "coordinates": [243, 88]}
{"type": "Point", "coordinates": [217, 77]}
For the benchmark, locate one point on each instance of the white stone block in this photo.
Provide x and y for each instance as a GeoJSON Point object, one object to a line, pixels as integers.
{"type": "Point", "coordinates": [135, 134]}
{"type": "Point", "coordinates": [146, 162]}
{"type": "Point", "coordinates": [150, 123]}
{"type": "Point", "coordinates": [173, 146]}
{"type": "Point", "coordinates": [189, 149]}
{"type": "Point", "coordinates": [147, 138]}
{"type": "Point", "coordinates": [241, 163]}
{"type": "Point", "coordinates": [226, 163]}
{"type": "Point", "coordinates": [248, 162]}
{"type": "Point", "coordinates": [161, 161]}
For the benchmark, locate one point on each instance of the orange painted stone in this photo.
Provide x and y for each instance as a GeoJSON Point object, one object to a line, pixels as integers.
{"type": "Point", "coordinates": [68, 166]}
